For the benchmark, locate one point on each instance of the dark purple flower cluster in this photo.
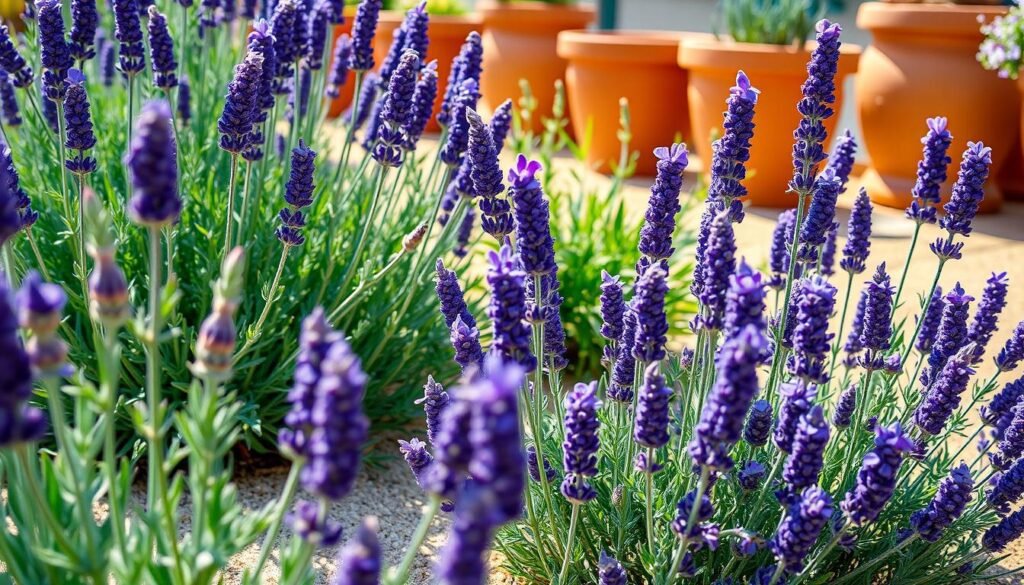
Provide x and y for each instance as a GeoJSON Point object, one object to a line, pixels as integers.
{"type": "Point", "coordinates": [931, 171]}
{"type": "Point", "coordinates": [241, 105]}
{"type": "Point", "coordinates": [80, 136]}
{"type": "Point", "coordinates": [736, 384]}
{"type": "Point", "coordinates": [782, 238]}
{"type": "Point", "coordinates": [411, 35]}
{"type": "Point", "coordinates": [128, 32]}
{"type": "Point", "coordinates": [313, 527]}
{"type": "Point", "coordinates": [286, 48]}
{"type": "Point", "coordinates": [498, 462]}
{"type": "Point", "coordinates": [876, 479]}
{"type": "Point", "coordinates": [814, 302]}
{"type": "Point", "coordinates": [581, 444]}
{"type": "Point", "coordinates": [968, 191]}
{"type": "Point", "coordinates": [613, 307]}
{"type": "Point", "coordinates": [815, 107]}
{"type": "Point", "coordinates": [466, 341]}
{"type": "Point", "coordinates": [751, 475]}
{"type": "Point", "coordinates": [929, 329]}
{"type": "Point", "coordinates": [759, 424]}
{"type": "Point", "coordinates": [507, 308]}
{"type": "Point", "coordinates": [16, 211]}
{"type": "Point", "coordinates": [84, 22]}
{"type": "Point", "coordinates": [807, 456]}
{"type": "Point", "coordinates": [820, 215]}
{"type": "Point", "coordinates": [161, 51]}
{"type": "Point", "coordinates": [316, 37]}
{"type": "Point", "coordinates": [745, 300]}
{"type": "Point", "coordinates": [449, 294]}
{"type": "Point", "coordinates": [396, 108]}
{"type": "Point", "coordinates": [858, 238]}
{"type": "Point", "coordinates": [800, 527]}
{"type": "Point", "coordinates": [952, 496]}
{"type": "Point", "coordinates": [650, 428]}
{"type": "Point", "coordinates": [359, 562]}
{"type": "Point", "coordinates": [501, 124]}
{"type": "Point", "coordinates": [422, 105]}
{"type": "Point", "coordinates": [467, 65]}
{"type": "Point", "coordinates": [107, 63]}
{"type": "Point", "coordinates": [684, 509]}
{"type": "Point", "coordinates": [39, 311]}
{"type": "Point", "coordinates": [797, 400]}
{"type": "Point", "coordinates": [298, 194]}
{"type": "Point", "coordinates": [364, 28]}
{"type": "Point", "coordinates": [1010, 432]}
{"type": "Point", "coordinates": [12, 62]}
{"type": "Point", "coordinates": [610, 571]}
{"type": "Point", "coordinates": [496, 216]}
{"type": "Point", "coordinates": [843, 415]}
{"type": "Point", "coordinates": [533, 466]}
{"type": "Point", "coordinates": [842, 158]}
{"type": "Point", "coordinates": [1007, 488]}
{"type": "Point", "coordinates": [877, 327]}
{"type": "Point", "coordinates": [463, 558]}
{"type": "Point", "coordinates": [19, 422]}
{"type": "Point", "coordinates": [55, 53]}
{"type": "Point", "coordinates": [9, 110]}
{"type": "Point", "coordinates": [993, 300]}
{"type": "Point", "coordinates": [338, 74]}
{"type": "Point", "coordinates": [651, 320]}
{"type": "Point", "coordinates": [621, 389]}
{"type": "Point", "coordinates": [662, 207]}
{"type": "Point", "coordinates": [952, 332]}
{"type": "Point", "coordinates": [1012, 351]}
{"type": "Point", "coordinates": [827, 256]}
{"type": "Point", "coordinates": [434, 401]}
{"type": "Point", "coordinates": [717, 265]}
{"type": "Point", "coordinates": [153, 162]}
{"type": "Point", "coordinates": [944, 393]}
{"type": "Point", "coordinates": [730, 153]}
{"type": "Point", "coordinates": [1006, 531]}
{"type": "Point", "coordinates": [999, 410]}
{"type": "Point", "coordinates": [458, 131]}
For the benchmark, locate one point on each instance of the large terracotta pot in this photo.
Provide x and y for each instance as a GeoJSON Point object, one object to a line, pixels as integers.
{"type": "Point", "coordinates": [778, 72]}
{"type": "Point", "coordinates": [921, 63]}
{"type": "Point", "coordinates": [1011, 179]}
{"type": "Point", "coordinates": [640, 66]}
{"type": "Point", "coordinates": [344, 99]}
{"type": "Point", "coordinates": [519, 42]}
{"type": "Point", "coordinates": [447, 33]}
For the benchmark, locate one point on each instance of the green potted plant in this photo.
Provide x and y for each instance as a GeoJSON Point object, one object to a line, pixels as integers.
{"type": "Point", "coordinates": [519, 40]}
{"type": "Point", "coordinates": [768, 41]}
{"type": "Point", "coordinates": [906, 73]}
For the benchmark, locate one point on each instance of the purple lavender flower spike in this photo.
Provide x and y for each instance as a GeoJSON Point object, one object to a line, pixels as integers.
{"type": "Point", "coordinates": [533, 466]}
{"type": "Point", "coordinates": [12, 62]}
{"type": "Point", "coordinates": [532, 218]}
{"type": "Point", "coordinates": [311, 526]}
{"type": "Point", "coordinates": [282, 30]}
{"type": "Point", "coordinates": [161, 51]}
{"type": "Point", "coordinates": [610, 571]}
{"type": "Point", "coordinates": [40, 305]}
{"type": "Point", "coordinates": [16, 211]}
{"type": "Point", "coordinates": [932, 322]}
{"type": "Point", "coordinates": [554, 332]}
{"type": "Point", "coordinates": [807, 456]}
{"type": "Point", "coordinates": [730, 153]}
{"type": "Point", "coordinates": [84, 22]}
{"type": "Point", "coordinates": [338, 74]}
{"type": "Point", "coordinates": [417, 458]}
{"type": "Point", "coordinates": [952, 333]}
{"type": "Point", "coordinates": [1007, 488]}
{"type": "Point", "coordinates": [621, 389]}
{"type": "Point", "coordinates": [467, 65]}
{"type": "Point", "coordinates": [1013, 350]}
{"type": "Point", "coordinates": [759, 424]}
{"type": "Point", "coordinates": [241, 104]}
{"type": "Point", "coordinates": [745, 300]}
{"type": "Point", "coordinates": [55, 54]}
{"type": "Point", "coordinates": [797, 400]}
{"type": "Point", "coordinates": [580, 445]}
{"type": "Point", "coordinates": [820, 215]}
{"type": "Point", "coordinates": [128, 32]}
{"type": "Point", "coordinates": [613, 307]}
{"type": "Point", "coordinates": [751, 475]}
{"type": "Point", "coordinates": [721, 420]}
{"type": "Point", "coordinates": [463, 558]}
{"type": "Point", "coordinates": [316, 38]}
{"type": "Point", "coordinates": [364, 28]}
{"type": "Point", "coordinates": [968, 191]}
{"type": "Point", "coordinates": [815, 107]}
{"type": "Point", "coordinates": [107, 60]}
{"type": "Point", "coordinates": [943, 396]}
{"type": "Point", "coordinates": [508, 308]}
{"type": "Point", "coordinates": [858, 240]}
{"type": "Point", "coordinates": [452, 450]}
{"type": "Point", "coordinates": [78, 119]}
{"type": "Point", "coordinates": [152, 159]}
{"type": "Point", "coordinates": [705, 510]}
{"type": "Point", "coordinates": [1011, 443]}
{"type": "Point", "coordinates": [1005, 532]}
{"type": "Point", "coordinates": [782, 236]}
{"type": "Point", "coordinates": [9, 109]}
{"type": "Point", "coordinates": [449, 293]}
{"type": "Point", "coordinates": [650, 427]}
{"type": "Point", "coordinates": [799, 530]}
{"type": "Point", "coordinates": [877, 327]}
{"type": "Point", "coordinates": [496, 219]}
{"type": "Point", "coordinates": [434, 401]}
{"type": "Point", "coordinates": [662, 207]}
{"type": "Point", "coordinates": [315, 341]}
{"type": "Point", "coordinates": [931, 171]}
{"type": "Point", "coordinates": [396, 108]}
{"type": "Point", "coordinates": [466, 341]}
{"type": "Point", "coordinates": [465, 233]}
{"type": "Point", "coordinates": [876, 479]}
{"type": "Point", "coordinates": [827, 257]}
{"type": "Point", "coordinates": [359, 562]}
{"type": "Point", "coordinates": [20, 422]}
{"type": "Point", "coordinates": [184, 105]}
{"type": "Point", "coordinates": [298, 195]}
{"type": "Point", "coordinates": [842, 158]}
{"type": "Point", "coordinates": [843, 415]}
{"type": "Point", "coordinates": [652, 322]}
{"type": "Point", "coordinates": [814, 302]}
{"type": "Point", "coordinates": [993, 300]}
{"type": "Point", "coordinates": [411, 35]}
{"type": "Point", "coordinates": [501, 124]}
{"type": "Point", "coordinates": [701, 248]}
{"type": "Point", "coordinates": [1001, 407]}
{"type": "Point", "coordinates": [458, 132]}
{"type": "Point", "coordinates": [423, 105]}
{"type": "Point", "coordinates": [718, 264]}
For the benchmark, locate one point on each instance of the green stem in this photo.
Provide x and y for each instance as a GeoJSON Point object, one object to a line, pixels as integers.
{"type": "Point", "coordinates": [650, 502]}
{"type": "Point", "coordinates": [346, 149]}
{"type": "Point", "coordinates": [271, 296]}
{"type": "Point", "coordinates": [842, 323]}
{"type": "Point", "coordinates": [361, 242]}
{"type": "Point", "coordinates": [291, 486]}
{"type": "Point", "coordinates": [400, 574]}
{"type": "Point", "coordinates": [569, 542]}
{"type": "Point", "coordinates": [877, 560]}
{"type": "Point", "coordinates": [108, 386]}
{"type": "Point", "coordinates": [906, 267]}
{"type": "Point", "coordinates": [36, 492]}
{"type": "Point", "coordinates": [230, 219]}
{"type": "Point", "coordinates": [245, 205]}
{"type": "Point", "coordinates": [39, 257]}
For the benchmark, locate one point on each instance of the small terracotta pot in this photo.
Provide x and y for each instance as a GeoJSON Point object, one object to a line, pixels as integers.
{"type": "Point", "coordinates": [921, 63]}
{"type": "Point", "coordinates": [447, 33]}
{"type": "Point", "coordinates": [640, 66]}
{"type": "Point", "coordinates": [344, 99]}
{"type": "Point", "coordinates": [778, 72]}
{"type": "Point", "coordinates": [519, 42]}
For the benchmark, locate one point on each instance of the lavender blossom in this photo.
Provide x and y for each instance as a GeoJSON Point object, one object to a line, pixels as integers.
{"type": "Point", "coordinates": [501, 124]}
{"type": "Point", "coordinates": [949, 502]}
{"type": "Point", "coordinates": [417, 458]}
{"type": "Point", "coordinates": [395, 111]}
{"type": "Point", "coordinates": [55, 54]}
{"type": "Point", "coordinates": [19, 422]}
{"type": "Point", "coordinates": [1011, 437]}
{"type": "Point", "coordinates": [652, 321]}
{"type": "Point", "coordinates": [532, 221]}
{"type": "Point", "coordinates": [12, 62]}
{"type": "Point", "coordinates": [621, 388]}
{"type": "Point", "coordinates": [843, 415]}
{"type": "Point", "coordinates": [751, 476]}
{"type": "Point", "coordinates": [804, 463]}
{"type": "Point", "coordinates": [876, 479]}
{"type": "Point", "coordinates": [458, 133]}
{"type": "Point", "coordinates": [465, 233]}
{"type": "Point", "coordinates": [241, 105]}
{"type": "Point", "coordinates": [820, 215]}
{"type": "Point", "coordinates": [1013, 350]}
{"type": "Point", "coordinates": [508, 308]}
{"type": "Point", "coordinates": [466, 341]}
{"type": "Point", "coordinates": [496, 220]}
{"type": "Point", "coordinates": [929, 329]}
{"type": "Point", "coordinates": [449, 294]}
{"type": "Point", "coordinates": [364, 28]}
{"type": "Point", "coordinates": [16, 211]}
{"type": "Point", "coordinates": [298, 195]}
{"type": "Point", "coordinates": [993, 300]}
{"type": "Point", "coordinates": [153, 162]}
{"type": "Point", "coordinates": [814, 302]}
{"type": "Point", "coordinates": [359, 562]}
{"type": "Point", "coordinates": [718, 264]}
{"type": "Point", "coordinates": [858, 239]}
{"type": "Point", "coordinates": [759, 424]}
{"type": "Point", "coordinates": [128, 32]}
{"type": "Point", "coordinates": [1007, 488]}
{"type": "Point", "coordinates": [797, 400]}
{"type": "Point", "coordinates": [411, 35]}
{"type": "Point", "coordinates": [452, 450]}
{"type": "Point", "coordinates": [467, 65]}
{"type": "Point", "coordinates": [952, 333]}
{"type": "Point", "coordinates": [800, 527]}
{"type": "Point", "coordinates": [581, 444]}
{"type": "Point", "coordinates": [286, 49]}
{"type": "Point", "coordinates": [684, 509]}
{"type": "Point", "coordinates": [423, 105]}
{"type": "Point", "coordinates": [827, 257]}
{"type": "Point", "coordinates": [316, 37]}
{"type": "Point", "coordinates": [842, 158]}
{"type": "Point", "coordinates": [434, 401]}
{"type": "Point", "coordinates": [338, 74]}
{"type": "Point", "coordinates": [650, 427]}
{"type": "Point", "coordinates": [1005, 532]}
{"type": "Point", "coordinates": [931, 171]}
{"type": "Point", "coordinates": [1001, 407]}
{"type": "Point", "coordinates": [782, 237]}
{"type": "Point", "coordinates": [745, 300]}
{"type": "Point", "coordinates": [107, 63]}
{"type": "Point", "coordinates": [968, 191]}
{"type": "Point", "coordinates": [161, 51]}
{"type": "Point", "coordinates": [313, 527]}
{"type": "Point", "coordinates": [463, 559]}
{"type": "Point", "coordinates": [721, 420]}
{"type": "Point", "coordinates": [815, 107]}
{"type": "Point", "coordinates": [79, 137]}
{"type": "Point", "coordinates": [877, 327]}
{"type": "Point", "coordinates": [662, 207]}
{"type": "Point", "coordinates": [40, 305]}
{"type": "Point", "coordinates": [610, 571]}
{"type": "Point", "coordinates": [9, 109]}
{"type": "Point", "coordinates": [613, 307]}
{"type": "Point", "coordinates": [533, 466]}
{"type": "Point", "coordinates": [84, 22]}
{"type": "Point", "coordinates": [943, 395]}
{"type": "Point", "coordinates": [730, 153]}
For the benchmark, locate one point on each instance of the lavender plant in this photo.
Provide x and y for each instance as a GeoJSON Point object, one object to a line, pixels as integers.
{"type": "Point", "coordinates": [228, 84]}
{"type": "Point", "coordinates": [773, 451]}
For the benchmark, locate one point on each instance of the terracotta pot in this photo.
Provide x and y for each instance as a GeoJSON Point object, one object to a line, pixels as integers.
{"type": "Point", "coordinates": [344, 99]}
{"type": "Point", "coordinates": [519, 42]}
{"type": "Point", "coordinates": [1011, 179]}
{"type": "Point", "coordinates": [778, 72]}
{"type": "Point", "coordinates": [921, 63]}
{"type": "Point", "coordinates": [637, 65]}
{"type": "Point", "coordinates": [447, 33]}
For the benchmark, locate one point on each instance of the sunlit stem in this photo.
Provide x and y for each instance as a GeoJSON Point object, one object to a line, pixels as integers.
{"type": "Point", "coordinates": [573, 520]}
{"type": "Point", "coordinates": [346, 149]}
{"type": "Point", "coordinates": [291, 486]}
{"type": "Point", "coordinates": [271, 297]}
{"type": "Point", "coordinates": [400, 574]}
{"type": "Point", "coordinates": [649, 476]}
{"type": "Point", "coordinates": [231, 204]}
{"type": "Point", "coordinates": [906, 267]}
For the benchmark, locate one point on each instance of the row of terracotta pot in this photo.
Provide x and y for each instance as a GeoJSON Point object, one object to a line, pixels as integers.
{"type": "Point", "coordinates": [921, 63]}
{"type": "Point", "coordinates": [518, 41]}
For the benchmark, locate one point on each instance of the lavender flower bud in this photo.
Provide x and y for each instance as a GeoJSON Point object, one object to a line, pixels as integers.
{"type": "Point", "coordinates": [581, 443]}
{"type": "Point", "coordinates": [84, 22]}
{"type": "Point", "coordinates": [533, 466]}
{"type": "Point", "coordinates": [876, 479]}
{"type": "Point", "coordinates": [1001, 406]}
{"type": "Point", "coordinates": [15, 196]}
{"type": "Point", "coordinates": [554, 332]}
{"type": "Point", "coordinates": [128, 32]}
{"type": "Point", "coordinates": [827, 258]}
{"type": "Point", "coordinates": [820, 215]}
{"type": "Point", "coordinates": [929, 329]}
{"type": "Point", "coordinates": [718, 264]}
{"type": "Point", "coordinates": [1013, 350]}
{"type": "Point", "coordinates": [814, 300]}
{"type": "Point", "coordinates": [161, 50]}
{"type": "Point", "coordinates": [19, 422]}
{"type": "Point", "coordinates": [815, 107]}
{"type": "Point", "coordinates": [485, 173]}
{"type": "Point", "coordinates": [422, 105]}
{"type": "Point", "coordinates": [1011, 444]}
{"type": "Point", "coordinates": [434, 401]}
{"type": "Point", "coordinates": [184, 105]}
{"type": "Point", "coordinates": [55, 54]}
{"type": "Point", "coordinates": [466, 341]}
{"type": "Point", "coordinates": [858, 240]}
{"type": "Point", "coordinates": [721, 420]}
{"type": "Point", "coordinates": [993, 299]}
{"type": "Point", "coordinates": [807, 456]}
{"type": "Point", "coordinates": [1007, 488]}
{"type": "Point", "coordinates": [465, 233]}
{"type": "Point", "coordinates": [449, 293]}
{"type": "Point", "coordinates": [80, 137]}
{"type": "Point", "coordinates": [465, 66]}
{"type": "Point", "coordinates": [759, 424]}
{"type": "Point", "coordinates": [968, 190]}
{"type": "Point", "coordinates": [286, 48]}
{"type": "Point", "coordinates": [613, 306]}
{"type": "Point", "coordinates": [800, 527]}
{"type": "Point", "coordinates": [107, 63]}
{"type": "Point", "coordinates": [153, 162]}
{"type": "Point", "coordinates": [9, 109]}
{"type": "Point", "coordinates": [797, 400]}
{"type": "Point", "coordinates": [705, 510]}
{"type": "Point", "coordinates": [843, 415]}
{"type": "Point", "coordinates": [610, 571]}
{"type": "Point", "coordinates": [730, 153]}
{"type": "Point", "coordinates": [298, 195]}
{"type": "Point", "coordinates": [501, 123]}
{"type": "Point", "coordinates": [842, 158]}
{"type": "Point", "coordinates": [1005, 532]}
{"type": "Point", "coordinates": [751, 475]}
{"type": "Point", "coordinates": [663, 206]}
{"type": "Point", "coordinates": [745, 300]}
{"type": "Point", "coordinates": [395, 111]}
{"type": "Point", "coordinates": [12, 62]}
{"type": "Point", "coordinates": [532, 219]}
{"type": "Point", "coordinates": [931, 171]}
{"type": "Point", "coordinates": [782, 237]}
{"type": "Point", "coordinates": [458, 132]}
{"type": "Point", "coordinates": [108, 291]}
{"type": "Point", "coordinates": [651, 423]}
{"type": "Point", "coordinates": [508, 308]}
{"type": "Point", "coordinates": [952, 334]}
{"type": "Point", "coordinates": [652, 322]}
{"type": "Point", "coordinates": [411, 35]}
{"type": "Point", "coordinates": [359, 562]}
{"type": "Point", "coordinates": [313, 527]}
{"type": "Point", "coordinates": [943, 396]}
{"type": "Point", "coordinates": [316, 39]}
{"type": "Point", "coordinates": [241, 104]}
{"type": "Point", "coordinates": [877, 327]}
{"type": "Point", "coordinates": [215, 344]}
{"type": "Point", "coordinates": [364, 28]}
{"type": "Point", "coordinates": [418, 458]}
{"type": "Point", "coordinates": [621, 389]}
{"type": "Point", "coordinates": [339, 67]}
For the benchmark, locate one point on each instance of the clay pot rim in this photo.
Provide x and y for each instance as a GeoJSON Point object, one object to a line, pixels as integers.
{"type": "Point", "coordinates": [931, 18]}
{"type": "Point", "coordinates": [535, 14]}
{"type": "Point", "coordinates": [470, 21]}
{"type": "Point", "coordinates": [756, 59]}
{"type": "Point", "coordinates": [644, 46]}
